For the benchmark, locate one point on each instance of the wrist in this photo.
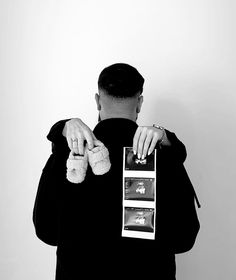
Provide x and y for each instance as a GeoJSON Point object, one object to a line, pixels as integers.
{"type": "Point", "coordinates": [163, 140]}
{"type": "Point", "coordinates": [160, 128]}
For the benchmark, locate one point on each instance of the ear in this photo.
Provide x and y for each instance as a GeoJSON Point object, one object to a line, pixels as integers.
{"type": "Point", "coordinates": [97, 98]}
{"type": "Point", "coordinates": [139, 105]}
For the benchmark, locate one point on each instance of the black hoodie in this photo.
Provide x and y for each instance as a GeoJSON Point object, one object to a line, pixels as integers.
{"type": "Point", "coordinates": [84, 220]}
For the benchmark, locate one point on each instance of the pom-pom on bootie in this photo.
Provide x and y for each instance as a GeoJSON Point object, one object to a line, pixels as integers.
{"type": "Point", "coordinates": [98, 158]}
{"type": "Point", "coordinates": [76, 168]}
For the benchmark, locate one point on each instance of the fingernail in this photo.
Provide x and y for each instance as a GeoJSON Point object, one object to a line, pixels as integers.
{"type": "Point", "coordinates": [134, 152]}
{"type": "Point", "coordinates": [139, 156]}
{"type": "Point", "coordinates": [149, 153]}
{"type": "Point", "coordinates": [142, 156]}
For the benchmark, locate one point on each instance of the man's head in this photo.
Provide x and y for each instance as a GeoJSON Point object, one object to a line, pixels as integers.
{"type": "Point", "coordinates": [120, 87]}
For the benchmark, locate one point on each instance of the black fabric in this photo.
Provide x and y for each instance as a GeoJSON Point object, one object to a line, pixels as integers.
{"type": "Point", "coordinates": [84, 220]}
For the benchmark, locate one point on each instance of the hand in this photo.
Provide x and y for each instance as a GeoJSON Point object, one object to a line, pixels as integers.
{"type": "Point", "coordinates": [145, 140]}
{"type": "Point", "coordinates": [76, 133]}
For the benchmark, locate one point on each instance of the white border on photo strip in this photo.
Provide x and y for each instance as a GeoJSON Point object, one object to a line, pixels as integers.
{"type": "Point", "coordinates": [138, 203]}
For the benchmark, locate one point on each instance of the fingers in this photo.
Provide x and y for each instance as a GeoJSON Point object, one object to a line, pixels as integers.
{"type": "Point", "coordinates": [144, 141]}
{"type": "Point", "coordinates": [74, 147]}
{"type": "Point", "coordinates": [153, 143]}
{"type": "Point", "coordinates": [136, 139]}
{"type": "Point", "coordinates": [141, 141]}
{"type": "Point", "coordinates": [146, 145]}
{"type": "Point", "coordinates": [81, 145]}
{"type": "Point", "coordinates": [77, 143]}
{"type": "Point", "coordinates": [69, 142]}
{"type": "Point", "coordinates": [77, 133]}
{"type": "Point", "coordinates": [90, 139]}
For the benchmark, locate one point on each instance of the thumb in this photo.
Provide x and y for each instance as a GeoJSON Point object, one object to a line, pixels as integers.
{"type": "Point", "coordinates": [94, 138]}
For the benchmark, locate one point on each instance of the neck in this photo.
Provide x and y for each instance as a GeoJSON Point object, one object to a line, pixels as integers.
{"type": "Point", "coordinates": [131, 117]}
{"type": "Point", "coordinates": [117, 108]}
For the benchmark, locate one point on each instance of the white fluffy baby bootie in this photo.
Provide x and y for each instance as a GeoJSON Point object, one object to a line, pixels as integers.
{"type": "Point", "coordinates": [76, 167]}
{"type": "Point", "coordinates": [98, 158]}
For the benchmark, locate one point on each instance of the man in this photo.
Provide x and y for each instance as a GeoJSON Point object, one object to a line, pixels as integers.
{"type": "Point", "coordinates": [84, 220]}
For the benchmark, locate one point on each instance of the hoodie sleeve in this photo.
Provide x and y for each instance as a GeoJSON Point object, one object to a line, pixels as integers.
{"type": "Point", "coordinates": [177, 151]}
{"type": "Point", "coordinates": [45, 212]}
{"type": "Point", "coordinates": [46, 206]}
{"type": "Point", "coordinates": [55, 133]}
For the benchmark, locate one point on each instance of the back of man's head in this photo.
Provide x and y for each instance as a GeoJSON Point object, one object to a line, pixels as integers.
{"type": "Point", "coordinates": [120, 80]}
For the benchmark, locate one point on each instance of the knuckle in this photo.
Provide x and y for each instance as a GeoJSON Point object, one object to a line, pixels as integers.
{"type": "Point", "coordinates": [155, 134]}
{"type": "Point", "coordinates": [143, 135]}
{"type": "Point", "coordinates": [79, 136]}
{"type": "Point", "coordinates": [144, 131]}
{"type": "Point", "coordinates": [150, 132]}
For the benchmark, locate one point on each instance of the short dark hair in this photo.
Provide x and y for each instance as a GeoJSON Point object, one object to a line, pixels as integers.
{"type": "Point", "coordinates": [120, 80]}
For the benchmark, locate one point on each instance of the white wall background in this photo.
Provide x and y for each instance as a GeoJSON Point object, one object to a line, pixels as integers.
{"type": "Point", "coordinates": [51, 53]}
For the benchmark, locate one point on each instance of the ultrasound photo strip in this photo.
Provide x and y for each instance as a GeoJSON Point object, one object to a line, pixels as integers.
{"type": "Point", "coordinates": [139, 195]}
{"type": "Point", "coordinates": [139, 188]}
{"type": "Point", "coordinates": [139, 219]}
{"type": "Point", "coordinates": [133, 163]}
